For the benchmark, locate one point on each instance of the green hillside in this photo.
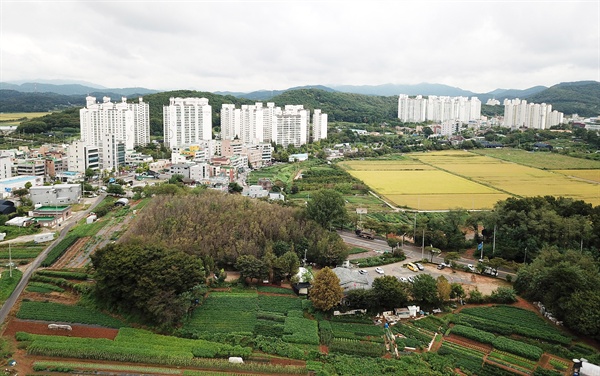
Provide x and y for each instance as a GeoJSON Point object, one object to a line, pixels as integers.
{"type": "Point", "coordinates": [582, 98]}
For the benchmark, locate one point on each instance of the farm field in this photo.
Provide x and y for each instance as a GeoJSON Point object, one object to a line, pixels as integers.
{"type": "Point", "coordinates": [14, 118]}
{"type": "Point", "coordinates": [277, 332]}
{"type": "Point", "coordinates": [541, 160]}
{"type": "Point", "coordinates": [460, 179]}
{"type": "Point", "coordinates": [593, 175]}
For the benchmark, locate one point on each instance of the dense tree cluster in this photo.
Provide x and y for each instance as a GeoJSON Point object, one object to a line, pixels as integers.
{"type": "Point", "coordinates": [143, 280]}
{"type": "Point", "coordinates": [525, 226]}
{"type": "Point", "coordinates": [567, 284]}
{"type": "Point", "coordinates": [225, 227]}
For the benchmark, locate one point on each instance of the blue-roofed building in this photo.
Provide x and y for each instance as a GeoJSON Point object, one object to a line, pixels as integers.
{"type": "Point", "coordinates": [18, 182]}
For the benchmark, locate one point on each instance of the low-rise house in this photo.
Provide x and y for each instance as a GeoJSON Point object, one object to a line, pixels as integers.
{"type": "Point", "coordinates": [351, 279]}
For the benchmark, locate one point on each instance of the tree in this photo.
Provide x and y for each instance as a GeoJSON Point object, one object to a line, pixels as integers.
{"type": "Point", "coordinates": [326, 207]}
{"type": "Point", "coordinates": [443, 289]}
{"type": "Point", "coordinates": [28, 185]}
{"type": "Point", "coordinates": [503, 295]}
{"type": "Point", "coordinates": [360, 299]}
{"type": "Point", "coordinates": [389, 293]}
{"type": "Point", "coordinates": [288, 264]}
{"type": "Point", "coordinates": [251, 267]}
{"type": "Point", "coordinates": [456, 291]}
{"type": "Point", "coordinates": [326, 291]}
{"type": "Point", "coordinates": [146, 280]}
{"type": "Point", "coordinates": [392, 241]}
{"type": "Point", "coordinates": [234, 187]}
{"type": "Point", "coordinates": [424, 290]}
{"type": "Point", "coordinates": [115, 189]}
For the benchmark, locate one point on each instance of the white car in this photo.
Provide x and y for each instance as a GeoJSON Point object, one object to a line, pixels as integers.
{"type": "Point", "coordinates": [402, 279]}
{"type": "Point", "coordinates": [419, 266]}
{"type": "Point", "coordinates": [471, 267]}
{"type": "Point", "coordinates": [363, 271]}
{"type": "Point", "coordinates": [379, 270]}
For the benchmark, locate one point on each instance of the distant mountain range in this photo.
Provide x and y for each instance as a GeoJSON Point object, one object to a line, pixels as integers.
{"type": "Point", "coordinates": [571, 97]}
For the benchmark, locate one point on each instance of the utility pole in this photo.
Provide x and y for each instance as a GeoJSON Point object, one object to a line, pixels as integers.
{"type": "Point", "coordinates": [423, 246]}
{"type": "Point", "coordinates": [494, 244]}
{"type": "Point", "coordinates": [9, 261]}
{"type": "Point", "coordinates": [415, 228]}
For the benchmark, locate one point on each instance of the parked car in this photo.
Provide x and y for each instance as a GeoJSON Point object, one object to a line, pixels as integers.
{"type": "Point", "coordinates": [411, 279]}
{"type": "Point", "coordinates": [441, 266]}
{"type": "Point", "coordinates": [419, 266]}
{"type": "Point", "coordinates": [363, 271]}
{"type": "Point", "coordinates": [402, 279]}
{"type": "Point", "coordinates": [471, 267]}
{"type": "Point", "coordinates": [379, 270]}
{"type": "Point", "coordinates": [412, 267]}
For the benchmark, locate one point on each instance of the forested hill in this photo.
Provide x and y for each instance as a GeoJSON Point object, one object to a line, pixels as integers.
{"type": "Point", "coordinates": [582, 98]}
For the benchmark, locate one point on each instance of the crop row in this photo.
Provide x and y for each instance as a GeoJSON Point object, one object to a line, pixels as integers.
{"type": "Point", "coordinates": [280, 304]}
{"type": "Point", "coordinates": [518, 321]}
{"type": "Point", "coordinates": [354, 347]}
{"type": "Point", "coordinates": [48, 311]}
{"type": "Point", "coordinates": [465, 359]}
{"type": "Point", "coordinates": [8, 283]}
{"type": "Point", "coordinates": [475, 334]}
{"type": "Point", "coordinates": [275, 290]}
{"type": "Point", "coordinates": [325, 332]}
{"type": "Point", "coordinates": [59, 249]}
{"type": "Point", "coordinates": [200, 348]}
{"type": "Point", "coordinates": [49, 365]}
{"type": "Point", "coordinates": [63, 274]}
{"type": "Point", "coordinates": [300, 330]}
{"type": "Point", "coordinates": [411, 332]}
{"type": "Point", "coordinates": [518, 348]}
{"type": "Point", "coordinates": [359, 330]}
{"type": "Point", "coordinates": [431, 323]}
{"type": "Point", "coordinates": [45, 287]}
{"type": "Point", "coordinates": [512, 359]}
{"type": "Point", "coordinates": [268, 328]}
{"type": "Point", "coordinates": [358, 319]}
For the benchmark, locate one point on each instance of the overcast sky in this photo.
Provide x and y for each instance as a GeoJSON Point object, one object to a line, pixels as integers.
{"type": "Point", "coordinates": [251, 45]}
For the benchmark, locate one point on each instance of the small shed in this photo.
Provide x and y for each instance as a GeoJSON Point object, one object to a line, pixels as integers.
{"type": "Point", "coordinates": [122, 202]}
{"type": "Point", "coordinates": [41, 238]}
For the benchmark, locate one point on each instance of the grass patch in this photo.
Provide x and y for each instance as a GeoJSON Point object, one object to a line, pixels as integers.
{"type": "Point", "coordinates": [8, 283]}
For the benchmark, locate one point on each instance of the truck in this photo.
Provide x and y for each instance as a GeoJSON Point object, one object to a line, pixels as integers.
{"type": "Point", "coordinates": [366, 234]}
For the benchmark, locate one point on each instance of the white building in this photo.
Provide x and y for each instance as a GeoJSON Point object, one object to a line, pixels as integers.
{"type": "Point", "coordinates": [59, 194]}
{"type": "Point", "coordinates": [5, 167]}
{"type": "Point", "coordinates": [18, 182]}
{"type": "Point", "coordinates": [82, 157]}
{"type": "Point", "coordinates": [518, 113]}
{"type": "Point", "coordinates": [438, 108]}
{"type": "Point", "coordinates": [187, 121]}
{"type": "Point", "coordinates": [292, 126]}
{"type": "Point", "coordinates": [128, 122]}
{"type": "Point", "coordinates": [254, 124]}
{"type": "Point", "coordinates": [112, 153]}
{"type": "Point", "coordinates": [319, 125]}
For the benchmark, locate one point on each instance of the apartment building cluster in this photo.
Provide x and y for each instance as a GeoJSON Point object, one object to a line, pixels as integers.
{"type": "Point", "coordinates": [441, 109]}
{"type": "Point", "coordinates": [520, 114]}
{"type": "Point", "coordinates": [257, 123]}
{"type": "Point", "coordinates": [108, 130]}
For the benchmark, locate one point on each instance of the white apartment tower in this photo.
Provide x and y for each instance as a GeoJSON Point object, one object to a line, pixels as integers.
{"type": "Point", "coordinates": [269, 122]}
{"type": "Point", "coordinates": [128, 122]}
{"type": "Point", "coordinates": [319, 125]}
{"type": "Point", "coordinates": [230, 122]}
{"type": "Point", "coordinates": [518, 113]}
{"type": "Point", "coordinates": [187, 121]}
{"type": "Point", "coordinates": [438, 108]}
{"type": "Point", "coordinates": [292, 126]}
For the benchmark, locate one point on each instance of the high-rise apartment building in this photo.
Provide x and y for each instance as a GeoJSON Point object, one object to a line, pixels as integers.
{"type": "Point", "coordinates": [128, 122]}
{"type": "Point", "coordinates": [187, 121]}
{"type": "Point", "coordinates": [319, 125]}
{"type": "Point", "coordinates": [253, 124]}
{"type": "Point", "coordinates": [438, 108]}
{"type": "Point", "coordinates": [518, 113]}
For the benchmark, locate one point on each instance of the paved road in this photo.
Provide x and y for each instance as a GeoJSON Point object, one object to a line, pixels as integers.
{"type": "Point", "coordinates": [413, 254]}
{"type": "Point", "coordinates": [10, 302]}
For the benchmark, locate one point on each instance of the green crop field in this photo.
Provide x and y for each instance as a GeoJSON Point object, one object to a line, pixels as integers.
{"type": "Point", "coordinates": [460, 179]}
